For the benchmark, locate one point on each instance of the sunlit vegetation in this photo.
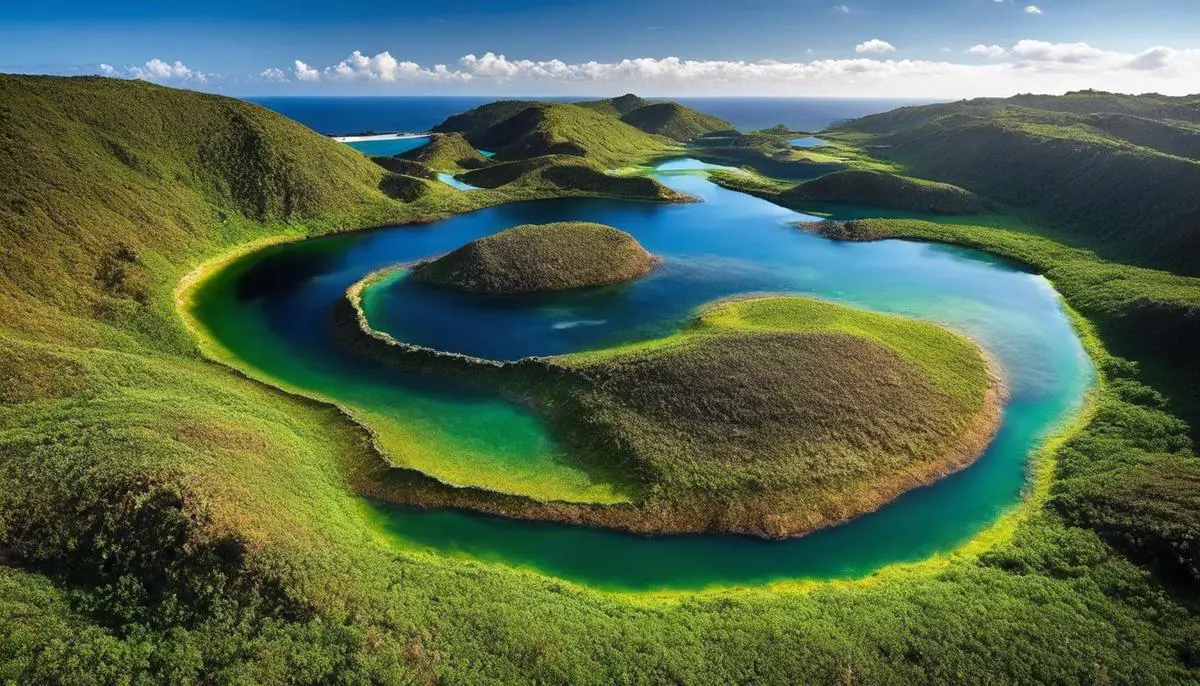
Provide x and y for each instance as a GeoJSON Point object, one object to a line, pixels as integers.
{"type": "Point", "coordinates": [568, 174]}
{"type": "Point", "coordinates": [164, 519]}
{"type": "Point", "coordinates": [544, 257]}
{"type": "Point", "coordinates": [1105, 170]}
{"type": "Point", "coordinates": [446, 152]}
{"type": "Point", "coordinates": [777, 415]}
{"type": "Point", "coordinates": [862, 188]}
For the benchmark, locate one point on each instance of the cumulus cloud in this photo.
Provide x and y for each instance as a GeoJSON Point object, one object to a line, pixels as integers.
{"type": "Point", "coordinates": [994, 52]}
{"type": "Point", "coordinates": [1032, 9]}
{"type": "Point", "coordinates": [874, 45]}
{"type": "Point", "coordinates": [304, 72]}
{"type": "Point", "coordinates": [156, 70]}
{"type": "Point", "coordinates": [1027, 66]}
{"type": "Point", "coordinates": [273, 74]}
{"type": "Point", "coordinates": [844, 9]}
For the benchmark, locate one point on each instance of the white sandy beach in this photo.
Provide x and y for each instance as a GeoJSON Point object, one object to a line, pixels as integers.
{"type": "Point", "coordinates": [379, 137]}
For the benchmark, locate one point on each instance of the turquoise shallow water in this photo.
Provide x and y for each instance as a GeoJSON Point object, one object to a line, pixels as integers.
{"type": "Point", "coordinates": [807, 142]}
{"type": "Point", "coordinates": [390, 146]}
{"type": "Point", "coordinates": [273, 312]}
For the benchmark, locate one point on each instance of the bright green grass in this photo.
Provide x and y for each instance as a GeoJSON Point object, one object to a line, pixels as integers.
{"type": "Point", "coordinates": [794, 408]}
{"type": "Point", "coordinates": [102, 385]}
{"type": "Point", "coordinates": [535, 258]}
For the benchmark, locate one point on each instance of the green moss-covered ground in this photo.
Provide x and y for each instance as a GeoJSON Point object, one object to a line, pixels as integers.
{"type": "Point", "coordinates": [533, 258]}
{"type": "Point", "coordinates": [164, 519]}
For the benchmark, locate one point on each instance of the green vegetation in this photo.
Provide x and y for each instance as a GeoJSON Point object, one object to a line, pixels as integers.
{"type": "Point", "coordinates": [446, 152]}
{"type": "Point", "coordinates": [674, 121]}
{"type": "Point", "coordinates": [555, 129]}
{"type": "Point", "coordinates": [1131, 476]}
{"type": "Point", "coordinates": [164, 519]}
{"type": "Point", "coordinates": [543, 257]}
{"type": "Point", "coordinates": [569, 174]}
{"type": "Point", "coordinates": [1103, 169]}
{"type": "Point", "coordinates": [778, 415]}
{"type": "Point", "coordinates": [616, 107]}
{"type": "Point", "coordinates": [770, 416]}
{"type": "Point", "coordinates": [863, 188]}
{"type": "Point", "coordinates": [406, 167]}
{"type": "Point", "coordinates": [881, 189]}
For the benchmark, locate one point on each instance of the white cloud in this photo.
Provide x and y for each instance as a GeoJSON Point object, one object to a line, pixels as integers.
{"type": "Point", "coordinates": [304, 72]}
{"type": "Point", "coordinates": [844, 9]}
{"type": "Point", "coordinates": [273, 74]}
{"type": "Point", "coordinates": [1027, 66]}
{"type": "Point", "coordinates": [156, 70]}
{"type": "Point", "coordinates": [1070, 53]}
{"type": "Point", "coordinates": [1032, 9]}
{"type": "Point", "coordinates": [874, 45]}
{"type": "Point", "coordinates": [994, 52]}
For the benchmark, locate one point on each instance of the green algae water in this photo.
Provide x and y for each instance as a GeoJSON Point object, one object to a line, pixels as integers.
{"type": "Point", "coordinates": [272, 311]}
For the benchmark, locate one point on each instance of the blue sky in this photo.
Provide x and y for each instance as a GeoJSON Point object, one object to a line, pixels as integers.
{"type": "Point", "coordinates": [923, 46]}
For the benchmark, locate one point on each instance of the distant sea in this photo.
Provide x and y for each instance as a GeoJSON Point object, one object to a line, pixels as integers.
{"type": "Point", "coordinates": [344, 115]}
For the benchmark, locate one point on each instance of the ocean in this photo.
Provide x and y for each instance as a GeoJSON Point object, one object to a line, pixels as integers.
{"type": "Point", "coordinates": [345, 115]}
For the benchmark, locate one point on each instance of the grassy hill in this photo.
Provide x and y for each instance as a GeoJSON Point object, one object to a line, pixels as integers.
{"type": "Point", "coordinates": [165, 519]}
{"type": "Point", "coordinates": [446, 152]}
{"type": "Point", "coordinates": [865, 188]}
{"type": "Point", "coordinates": [674, 121]}
{"type": "Point", "coordinates": [616, 107]}
{"type": "Point", "coordinates": [776, 415]}
{"type": "Point", "coordinates": [1103, 169]}
{"type": "Point", "coordinates": [544, 257]}
{"type": "Point", "coordinates": [397, 165]}
{"type": "Point", "coordinates": [568, 173]}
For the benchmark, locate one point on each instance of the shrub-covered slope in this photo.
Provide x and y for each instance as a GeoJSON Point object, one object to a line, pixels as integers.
{"type": "Point", "coordinates": [446, 152]}
{"type": "Point", "coordinates": [569, 174]}
{"type": "Point", "coordinates": [543, 257]}
{"type": "Point", "coordinates": [674, 121]}
{"type": "Point", "coordinates": [164, 519]}
{"type": "Point", "coordinates": [1102, 180]}
{"type": "Point", "coordinates": [881, 189]}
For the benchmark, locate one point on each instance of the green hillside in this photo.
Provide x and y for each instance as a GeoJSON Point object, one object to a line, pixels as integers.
{"type": "Point", "coordinates": [674, 121]}
{"type": "Point", "coordinates": [164, 519]}
{"type": "Point", "coordinates": [568, 173]}
{"type": "Point", "coordinates": [446, 152]}
{"type": "Point", "coordinates": [618, 106]}
{"type": "Point", "coordinates": [542, 257]}
{"type": "Point", "coordinates": [861, 188]}
{"type": "Point", "coordinates": [1104, 170]}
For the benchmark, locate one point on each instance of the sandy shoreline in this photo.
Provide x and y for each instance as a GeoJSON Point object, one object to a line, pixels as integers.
{"type": "Point", "coordinates": [379, 137]}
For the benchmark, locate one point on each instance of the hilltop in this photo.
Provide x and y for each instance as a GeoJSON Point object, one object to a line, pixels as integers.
{"type": "Point", "coordinates": [569, 173]}
{"type": "Point", "coordinates": [545, 257]}
{"type": "Point", "coordinates": [614, 132]}
{"type": "Point", "coordinates": [446, 152]}
{"type": "Point", "coordinates": [1113, 172]}
{"type": "Point", "coordinates": [674, 121]}
{"type": "Point", "coordinates": [769, 416]}
{"type": "Point", "coordinates": [862, 188]}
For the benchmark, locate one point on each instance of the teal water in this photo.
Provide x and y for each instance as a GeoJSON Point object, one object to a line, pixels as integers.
{"type": "Point", "coordinates": [273, 313]}
{"type": "Point", "coordinates": [455, 183]}
{"type": "Point", "coordinates": [807, 142]}
{"type": "Point", "coordinates": [389, 147]}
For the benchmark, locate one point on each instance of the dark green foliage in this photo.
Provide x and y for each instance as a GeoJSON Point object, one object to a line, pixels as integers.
{"type": "Point", "coordinates": [880, 189]}
{"type": "Point", "coordinates": [674, 121]}
{"type": "Point", "coordinates": [446, 151]}
{"type": "Point", "coordinates": [618, 106]}
{"type": "Point", "coordinates": [482, 118]}
{"type": "Point", "coordinates": [1081, 164]}
{"type": "Point", "coordinates": [104, 399]}
{"type": "Point", "coordinates": [403, 188]}
{"type": "Point", "coordinates": [568, 173]}
{"type": "Point", "coordinates": [406, 167]}
{"type": "Point", "coordinates": [1131, 474]}
{"type": "Point", "coordinates": [545, 257]}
